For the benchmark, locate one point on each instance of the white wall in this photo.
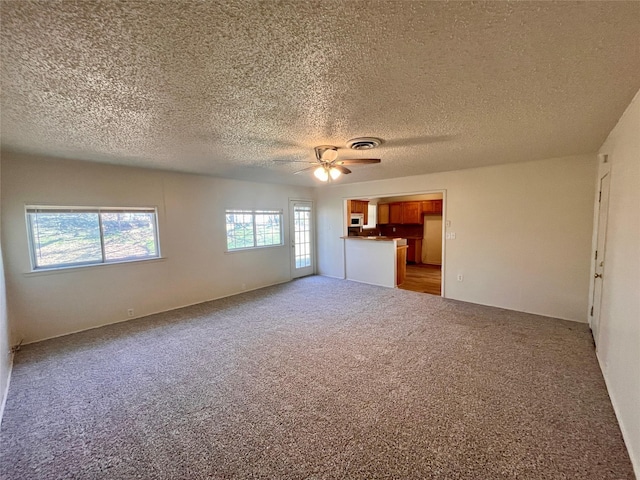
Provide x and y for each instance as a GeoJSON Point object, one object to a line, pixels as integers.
{"type": "Point", "coordinates": [618, 346]}
{"type": "Point", "coordinates": [5, 350]}
{"type": "Point", "coordinates": [523, 232]}
{"type": "Point", "coordinates": [192, 238]}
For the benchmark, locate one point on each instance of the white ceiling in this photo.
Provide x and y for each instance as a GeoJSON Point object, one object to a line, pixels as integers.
{"type": "Point", "coordinates": [228, 87]}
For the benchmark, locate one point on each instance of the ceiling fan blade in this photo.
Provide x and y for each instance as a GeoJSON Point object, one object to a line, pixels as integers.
{"type": "Point", "coordinates": [342, 169]}
{"type": "Point", "coordinates": [305, 169]}
{"type": "Point", "coordinates": [356, 161]}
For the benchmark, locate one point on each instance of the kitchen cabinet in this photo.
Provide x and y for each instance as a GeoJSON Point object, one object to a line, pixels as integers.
{"type": "Point", "coordinates": [395, 213]}
{"type": "Point", "coordinates": [401, 264]}
{"type": "Point", "coordinates": [432, 207]}
{"type": "Point", "coordinates": [407, 213]}
{"type": "Point", "coordinates": [411, 213]}
{"type": "Point", "coordinates": [414, 252]}
{"type": "Point", "coordinates": [358, 206]}
{"type": "Point", "coordinates": [383, 213]}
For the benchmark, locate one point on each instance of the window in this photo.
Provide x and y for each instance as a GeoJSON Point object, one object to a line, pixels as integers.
{"type": "Point", "coordinates": [253, 228]}
{"type": "Point", "coordinates": [73, 236]}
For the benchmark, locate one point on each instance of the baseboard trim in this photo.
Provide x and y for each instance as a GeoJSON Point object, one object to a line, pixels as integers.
{"type": "Point", "coordinates": [330, 276]}
{"type": "Point", "coordinates": [155, 312]}
{"type": "Point", "coordinates": [635, 462]}
{"type": "Point", "coordinates": [5, 394]}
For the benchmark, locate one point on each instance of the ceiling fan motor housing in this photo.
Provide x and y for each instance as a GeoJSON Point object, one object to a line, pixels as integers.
{"type": "Point", "coordinates": [326, 153]}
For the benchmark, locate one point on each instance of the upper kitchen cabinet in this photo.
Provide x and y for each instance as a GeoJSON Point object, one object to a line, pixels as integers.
{"type": "Point", "coordinates": [407, 213]}
{"type": "Point", "coordinates": [358, 206]}
{"type": "Point", "coordinates": [411, 213]}
{"type": "Point", "coordinates": [395, 213]}
{"type": "Point", "coordinates": [383, 213]}
{"type": "Point", "coordinates": [432, 207]}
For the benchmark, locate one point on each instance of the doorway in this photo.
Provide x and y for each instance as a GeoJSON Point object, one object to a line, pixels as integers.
{"type": "Point", "coordinates": [418, 218]}
{"type": "Point", "coordinates": [301, 234]}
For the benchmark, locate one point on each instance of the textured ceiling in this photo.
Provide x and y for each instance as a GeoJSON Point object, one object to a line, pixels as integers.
{"type": "Point", "coordinates": [229, 87]}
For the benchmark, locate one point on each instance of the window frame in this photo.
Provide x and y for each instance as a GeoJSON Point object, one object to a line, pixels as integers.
{"type": "Point", "coordinates": [253, 212]}
{"type": "Point", "coordinates": [31, 208]}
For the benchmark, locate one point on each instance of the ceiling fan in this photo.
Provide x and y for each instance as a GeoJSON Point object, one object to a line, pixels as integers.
{"type": "Point", "coordinates": [327, 165]}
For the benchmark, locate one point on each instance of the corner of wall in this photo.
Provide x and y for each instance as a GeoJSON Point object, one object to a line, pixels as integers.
{"type": "Point", "coordinates": [6, 357]}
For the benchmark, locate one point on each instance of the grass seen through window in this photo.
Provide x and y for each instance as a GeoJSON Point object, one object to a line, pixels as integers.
{"type": "Point", "coordinates": [67, 237]}
{"type": "Point", "coordinates": [253, 228]}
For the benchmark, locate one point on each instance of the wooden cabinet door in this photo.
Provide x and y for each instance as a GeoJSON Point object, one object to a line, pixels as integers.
{"type": "Point", "coordinates": [411, 212]}
{"type": "Point", "coordinates": [395, 213]}
{"type": "Point", "coordinates": [418, 253]}
{"type": "Point", "coordinates": [411, 251]}
{"type": "Point", "coordinates": [401, 264]}
{"type": "Point", "coordinates": [383, 213]}
{"type": "Point", "coordinates": [432, 207]}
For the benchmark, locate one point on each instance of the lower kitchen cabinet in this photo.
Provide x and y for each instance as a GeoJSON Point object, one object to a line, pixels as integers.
{"type": "Point", "coordinates": [414, 253]}
{"type": "Point", "coordinates": [401, 264]}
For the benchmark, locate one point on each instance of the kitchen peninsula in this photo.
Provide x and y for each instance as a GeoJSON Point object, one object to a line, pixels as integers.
{"type": "Point", "coordinates": [375, 260]}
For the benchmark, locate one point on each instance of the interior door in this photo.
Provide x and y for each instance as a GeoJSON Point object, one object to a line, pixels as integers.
{"type": "Point", "coordinates": [599, 256]}
{"type": "Point", "coordinates": [302, 258]}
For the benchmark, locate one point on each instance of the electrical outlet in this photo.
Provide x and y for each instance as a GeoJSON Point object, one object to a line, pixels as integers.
{"type": "Point", "coordinates": [130, 312]}
{"type": "Point", "coordinates": [447, 223]}
{"type": "Point", "coordinates": [394, 229]}
{"type": "Point", "coordinates": [460, 277]}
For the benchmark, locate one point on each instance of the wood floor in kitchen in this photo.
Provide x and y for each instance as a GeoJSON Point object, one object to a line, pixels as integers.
{"type": "Point", "coordinates": [423, 278]}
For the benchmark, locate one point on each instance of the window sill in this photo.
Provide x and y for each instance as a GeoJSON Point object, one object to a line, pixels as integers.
{"type": "Point", "coordinates": [74, 268]}
{"type": "Point", "coordinates": [253, 249]}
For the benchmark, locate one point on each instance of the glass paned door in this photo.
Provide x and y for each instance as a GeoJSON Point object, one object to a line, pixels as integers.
{"type": "Point", "coordinates": [301, 238]}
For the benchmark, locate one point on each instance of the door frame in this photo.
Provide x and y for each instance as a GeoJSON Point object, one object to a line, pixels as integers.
{"type": "Point", "coordinates": [291, 238]}
{"type": "Point", "coordinates": [595, 322]}
{"type": "Point", "coordinates": [442, 191]}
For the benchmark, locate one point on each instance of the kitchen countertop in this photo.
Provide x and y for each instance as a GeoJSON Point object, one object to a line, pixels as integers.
{"type": "Point", "coordinates": [378, 238]}
{"type": "Point", "coordinates": [400, 241]}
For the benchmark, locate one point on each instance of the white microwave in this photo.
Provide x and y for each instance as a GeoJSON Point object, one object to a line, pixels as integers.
{"type": "Point", "coordinates": [357, 220]}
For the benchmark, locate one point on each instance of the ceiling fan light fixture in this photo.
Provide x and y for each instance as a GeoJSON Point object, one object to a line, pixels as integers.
{"type": "Point", "coordinates": [321, 174]}
{"type": "Point", "coordinates": [335, 173]}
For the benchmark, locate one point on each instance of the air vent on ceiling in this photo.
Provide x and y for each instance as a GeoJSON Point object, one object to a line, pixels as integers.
{"type": "Point", "coordinates": [364, 143]}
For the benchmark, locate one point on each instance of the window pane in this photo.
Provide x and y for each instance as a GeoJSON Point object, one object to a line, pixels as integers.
{"type": "Point", "coordinates": [129, 235]}
{"type": "Point", "coordinates": [65, 238]}
{"type": "Point", "coordinates": [239, 230]}
{"type": "Point", "coordinates": [268, 229]}
{"type": "Point", "coordinates": [253, 228]}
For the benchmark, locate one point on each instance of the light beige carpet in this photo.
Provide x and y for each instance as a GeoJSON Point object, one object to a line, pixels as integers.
{"type": "Point", "coordinates": [317, 378]}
